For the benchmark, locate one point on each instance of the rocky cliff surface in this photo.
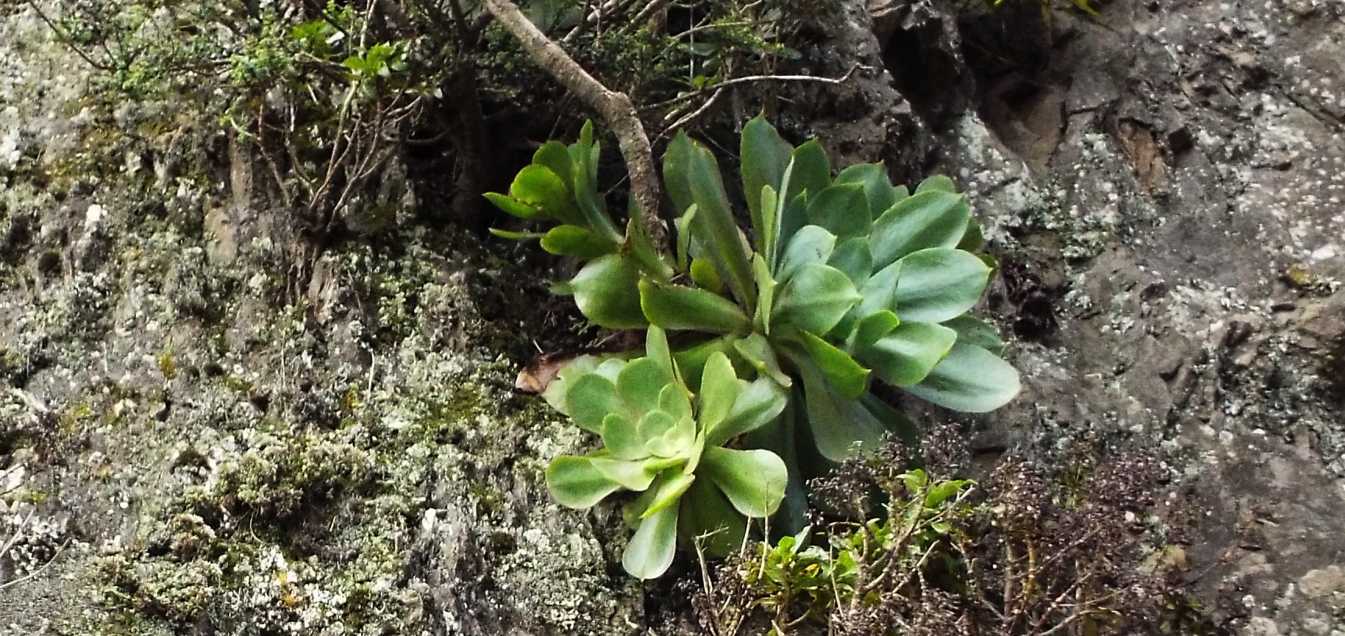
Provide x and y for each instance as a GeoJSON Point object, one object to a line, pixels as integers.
{"type": "Point", "coordinates": [193, 442]}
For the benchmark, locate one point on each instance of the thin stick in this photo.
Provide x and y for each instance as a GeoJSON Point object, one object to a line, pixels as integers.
{"type": "Point", "coordinates": [751, 79]}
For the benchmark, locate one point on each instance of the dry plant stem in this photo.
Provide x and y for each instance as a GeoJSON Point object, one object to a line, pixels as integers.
{"type": "Point", "coordinates": [615, 108]}
{"type": "Point", "coordinates": [751, 79]}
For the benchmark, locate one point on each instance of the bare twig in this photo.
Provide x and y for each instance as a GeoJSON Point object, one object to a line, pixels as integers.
{"type": "Point", "coordinates": [616, 109]}
{"type": "Point", "coordinates": [751, 79]}
{"type": "Point", "coordinates": [693, 115]}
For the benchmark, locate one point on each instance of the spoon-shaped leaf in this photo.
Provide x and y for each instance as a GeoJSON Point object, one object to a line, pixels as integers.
{"type": "Point", "coordinates": [811, 244]}
{"type": "Point", "coordinates": [815, 299]}
{"type": "Point", "coordinates": [640, 383]}
{"type": "Point", "coordinates": [877, 187]}
{"type": "Point", "coordinates": [575, 483]}
{"type": "Point", "coordinates": [939, 284]}
{"type": "Point", "coordinates": [848, 377]}
{"type": "Point", "coordinates": [969, 379]}
{"type": "Point", "coordinates": [677, 307]}
{"type": "Point", "coordinates": [538, 186]}
{"type": "Point", "coordinates": [579, 242]}
{"type": "Point", "coordinates": [765, 155]}
{"type": "Point", "coordinates": [651, 550]}
{"type": "Point", "coordinates": [707, 513]}
{"type": "Point", "coordinates": [589, 399]}
{"type": "Point", "coordinates": [906, 355]}
{"type": "Point", "coordinates": [757, 404]}
{"type": "Point", "coordinates": [932, 218]}
{"type": "Point", "coordinates": [841, 209]}
{"type": "Point", "coordinates": [719, 389]}
{"type": "Point", "coordinates": [753, 480]}
{"type": "Point", "coordinates": [605, 291]}
{"type": "Point", "coordinates": [632, 475]}
{"type": "Point", "coordinates": [669, 491]}
{"type": "Point", "coordinates": [852, 256]}
{"type": "Point", "coordinates": [840, 426]}
{"type": "Point", "coordinates": [621, 438]}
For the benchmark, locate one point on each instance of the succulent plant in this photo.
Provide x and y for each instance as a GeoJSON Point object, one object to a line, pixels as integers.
{"type": "Point", "coordinates": [844, 279]}
{"type": "Point", "coordinates": [660, 440]}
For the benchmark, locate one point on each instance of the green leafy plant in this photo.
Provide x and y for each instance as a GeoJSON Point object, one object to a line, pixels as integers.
{"type": "Point", "coordinates": [845, 278]}
{"type": "Point", "coordinates": [658, 442]}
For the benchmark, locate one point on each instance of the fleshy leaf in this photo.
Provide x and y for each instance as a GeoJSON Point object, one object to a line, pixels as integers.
{"type": "Point", "coordinates": [640, 382]}
{"type": "Point", "coordinates": [654, 427]}
{"type": "Point", "coordinates": [840, 426]}
{"type": "Point", "coordinates": [685, 238]}
{"type": "Point", "coordinates": [691, 361]}
{"type": "Point", "coordinates": [906, 355]}
{"type": "Point", "coordinates": [811, 170]}
{"type": "Point", "coordinates": [877, 186]}
{"type": "Point", "coordinates": [937, 182]}
{"type": "Point", "coordinates": [589, 399]}
{"type": "Point", "coordinates": [656, 348]}
{"type": "Point", "coordinates": [870, 328]}
{"type": "Point", "coordinates": [938, 284]}
{"type": "Point", "coordinates": [932, 218]}
{"type": "Point", "coordinates": [753, 480]}
{"type": "Point", "coordinates": [632, 475]}
{"type": "Point", "coordinates": [768, 232]}
{"type": "Point", "coordinates": [705, 276]}
{"type": "Point", "coordinates": [815, 299]}
{"type": "Point", "coordinates": [511, 235]}
{"type": "Point", "coordinates": [707, 513]}
{"type": "Point", "coordinates": [759, 403]}
{"type": "Point", "coordinates": [539, 187]}
{"type": "Point", "coordinates": [879, 290]}
{"type": "Point", "coordinates": [554, 156]}
{"type": "Point", "coordinates": [575, 483]}
{"type": "Point", "coordinates": [695, 171]}
{"type": "Point", "coordinates": [974, 331]}
{"type": "Point", "coordinates": [765, 155]}
{"type": "Point", "coordinates": [653, 262]}
{"type": "Point", "coordinates": [669, 491]}
{"type": "Point", "coordinates": [974, 239]}
{"type": "Point", "coordinates": [758, 352]}
{"type": "Point", "coordinates": [841, 209]}
{"type": "Point", "coordinates": [674, 401]}
{"type": "Point", "coordinates": [568, 374]}
{"type": "Point", "coordinates": [621, 438]}
{"type": "Point", "coordinates": [651, 550]}
{"type": "Point", "coordinates": [765, 293]}
{"type": "Point", "coordinates": [969, 379]}
{"type": "Point", "coordinates": [719, 389]}
{"type": "Point", "coordinates": [677, 307]}
{"type": "Point", "coordinates": [846, 376]}
{"type": "Point", "coordinates": [606, 292]}
{"type": "Point", "coordinates": [579, 242]}
{"type": "Point", "coordinates": [513, 206]}
{"type": "Point", "coordinates": [676, 176]}
{"type": "Point", "coordinates": [811, 244]}
{"type": "Point", "coordinates": [853, 257]}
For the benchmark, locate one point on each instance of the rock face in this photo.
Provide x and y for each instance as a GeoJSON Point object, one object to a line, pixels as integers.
{"type": "Point", "coordinates": [191, 442]}
{"type": "Point", "coordinates": [196, 444]}
{"type": "Point", "coordinates": [1166, 189]}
